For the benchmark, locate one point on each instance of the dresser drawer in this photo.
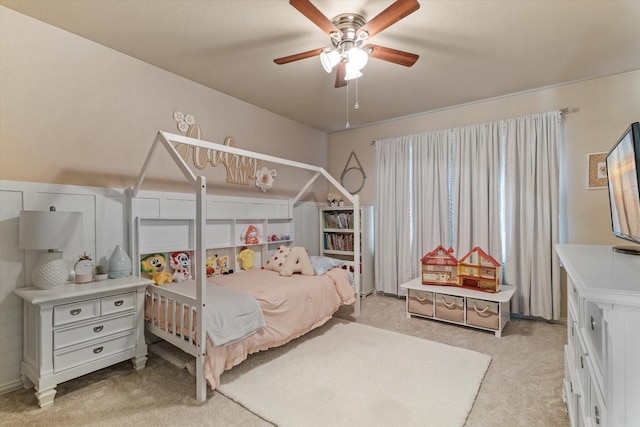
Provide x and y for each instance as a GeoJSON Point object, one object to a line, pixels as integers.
{"type": "Point", "coordinates": [74, 312]}
{"type": "Point", "coordinates": [79, 355]}
{"type": "Point", "coordinates": [118, 303]}
{"type": "Point", "coordinates": [91, 331]}
{"type": "Point", "coordinates": [594, 326]}
{"type": "Point", "coordinates": [485, 314]}
{"type": "Point", "coordinates": [597, 410]}
{"type": "Point", "coordinates": [420, 302]}
{"type": "Point", "coordinates": [450, 308]}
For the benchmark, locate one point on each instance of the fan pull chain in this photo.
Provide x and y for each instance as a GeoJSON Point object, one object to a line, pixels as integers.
{"type": "Point", "coordinates": [347, 125]}
{"type": "Point", "coordinates": [357, 105]}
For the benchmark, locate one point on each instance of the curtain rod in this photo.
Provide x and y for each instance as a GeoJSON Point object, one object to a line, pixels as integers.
{"type": "Point", "coordinates": [564, 110]}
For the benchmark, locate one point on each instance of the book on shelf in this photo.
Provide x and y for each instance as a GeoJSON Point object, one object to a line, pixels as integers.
{"type": "Point", "coordinates": [339, 220]}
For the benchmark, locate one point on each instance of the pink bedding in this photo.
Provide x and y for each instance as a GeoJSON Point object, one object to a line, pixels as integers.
{"type": "Point", "coordinates": [292, 306]}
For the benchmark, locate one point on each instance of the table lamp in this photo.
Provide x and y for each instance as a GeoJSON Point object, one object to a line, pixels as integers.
{"type": "Point", "coordinates": [50, 230]}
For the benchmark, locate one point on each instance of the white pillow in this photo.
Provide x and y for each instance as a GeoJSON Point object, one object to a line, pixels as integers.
{"type": "Point", "coordinates": [322, 264]}
{"type": "Point", "coordinates": [276, 261]}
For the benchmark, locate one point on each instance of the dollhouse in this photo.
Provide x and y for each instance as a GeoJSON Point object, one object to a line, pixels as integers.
{"type": "Point", "coordinates": [475, 270]}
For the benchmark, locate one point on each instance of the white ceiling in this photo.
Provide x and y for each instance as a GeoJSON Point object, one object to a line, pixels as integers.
{"type": "Point", "coordinates": [469, 50]}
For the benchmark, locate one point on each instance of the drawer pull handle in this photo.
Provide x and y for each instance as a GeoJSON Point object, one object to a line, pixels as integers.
{"type": "Point", "coordinates": [423, 299]}
{"type": "Point", "coordinates": [581, 362]}
{"type": "Point", "coordinates": [75, 311]}
{"type": "Point", "coordinates": [98, 328]}
{"type": "Point", "coordinates": [450, 304]}
{"type": "Point", "coordinates": [480, 312]}
{"type": "Point", "coordinates": [118, 303]}
{"type": "Point", "coordinates": [593, 324]}
{"type": "Point", "coordinates": [98, 349]}
{"type": "Point", "coordinates": [597, 413]}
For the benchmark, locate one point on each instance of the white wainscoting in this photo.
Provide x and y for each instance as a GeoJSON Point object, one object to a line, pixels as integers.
{"type": "Point", "coordinates": [105, 225]}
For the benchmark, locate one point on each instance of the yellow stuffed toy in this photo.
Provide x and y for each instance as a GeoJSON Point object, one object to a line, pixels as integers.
{"type": "Point", "coordinates": [223, 265]}
{"type": "Point", "coordinates": [246, 256]}
{"type": "Point", "coordinates": [154, 265]}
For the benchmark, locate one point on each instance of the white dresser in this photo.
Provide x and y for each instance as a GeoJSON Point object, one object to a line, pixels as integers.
{"type": "Point", "coordinates": [602, 355]}
{"type": "Point", "coordinates": [77, 329]}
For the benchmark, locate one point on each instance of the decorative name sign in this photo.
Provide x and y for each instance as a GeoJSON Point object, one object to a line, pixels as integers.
{"type": "Point", "coordinates": [240, 169]}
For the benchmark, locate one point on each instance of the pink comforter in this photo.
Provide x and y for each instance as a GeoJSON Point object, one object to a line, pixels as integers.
{"type": "Point", "coordinates": [292, 306]}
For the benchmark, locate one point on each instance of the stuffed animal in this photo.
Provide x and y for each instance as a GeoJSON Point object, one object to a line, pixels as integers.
{"type": "Point", "coordinates": [181, 265]}
{"type": "Point", "coordinates": [212, 265]}
{"type": "Point", "coordinates": [251, 236]}
{"type": "Point", "coordinates": [297, 262]}
{"type": "Point", "coordinates": [223, 265]}
{"type": "Point", "coordinates": [246, 256]}
{"type": "Point", "coordinates": [154, 265]}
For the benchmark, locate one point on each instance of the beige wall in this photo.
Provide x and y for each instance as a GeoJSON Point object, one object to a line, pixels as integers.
{"type": "Point", "coordinates": [606, 107]}
{"type": "Point", "coordinates": [75, 112]}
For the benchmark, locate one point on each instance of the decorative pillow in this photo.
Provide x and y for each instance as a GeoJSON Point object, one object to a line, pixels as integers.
{"type": "Point", "coordinates": [277, 260]}
{"type": "Point", "coordinates": [297, 262]}
{"type": "Point", "coordinates": [322, 264]}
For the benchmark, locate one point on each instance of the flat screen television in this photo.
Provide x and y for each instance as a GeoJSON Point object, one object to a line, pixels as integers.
{"type": "Point", "coordinates": [623, 173]}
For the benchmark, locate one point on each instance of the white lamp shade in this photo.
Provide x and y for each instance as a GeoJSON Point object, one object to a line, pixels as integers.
{"type": "Point", "coordinates": [351, 73]}
{"type": "Point", "coordinates": [50, 230]}
{"type": "Point", "coordinates": [358, 58]}
{"type": "Point", "coordinates": [329, 59]}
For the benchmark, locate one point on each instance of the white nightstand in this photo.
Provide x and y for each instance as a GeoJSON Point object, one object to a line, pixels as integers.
{"type": "Point", "coordinates": [80, 328]}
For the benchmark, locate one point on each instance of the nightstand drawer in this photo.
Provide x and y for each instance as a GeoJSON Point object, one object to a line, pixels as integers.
{"type": "Point", "coordinates": [118, 303]}
{"type": "Point", "coordinates": [91, 331]}
{"type": "Point", "coordinates": [74, 312]}
{"type": "Point", "coordinates": [485, 314]}
{"type": "Point", "coordinates": [449, 307]}
{"type": "Point", "coordinates": [594, 326]}
{"type": "Point", "coordinates": [79, 355]}
{"type": "Point", "coordinates": [420, 302]}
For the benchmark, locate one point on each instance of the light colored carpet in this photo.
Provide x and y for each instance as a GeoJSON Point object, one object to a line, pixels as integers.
{"type": "Point", "coordinates": [352, 375]}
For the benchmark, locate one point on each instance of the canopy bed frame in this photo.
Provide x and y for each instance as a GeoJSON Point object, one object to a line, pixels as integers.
{"type": "Point", "coordinates": [197, 345]}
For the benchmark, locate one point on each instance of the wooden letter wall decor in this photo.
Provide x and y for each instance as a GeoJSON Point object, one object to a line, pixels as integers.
{"type": "Point", "coordinates": [240, 169]}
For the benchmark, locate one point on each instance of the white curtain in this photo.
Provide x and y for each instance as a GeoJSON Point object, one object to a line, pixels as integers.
{"type": "Point", "coordinates": [532, 147]}
{"type": "Point", "coordinates": [493, 185]}
{"type": "Point", "coordinates": [393, 202]}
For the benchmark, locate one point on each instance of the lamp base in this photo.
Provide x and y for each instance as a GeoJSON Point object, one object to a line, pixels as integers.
{"type": "Point", "coordinates": [50, 271]}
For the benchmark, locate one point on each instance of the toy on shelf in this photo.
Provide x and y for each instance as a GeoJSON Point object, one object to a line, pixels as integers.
{"type": "Point", "coordinates": [212, 265]}
{"type": "Point", "coordinates": [279, 237]}
{"type": "Point", "coordinates": [475, 270]}
{"type": "Point", "coordinates": [252, 236]}
{"type": "Point", "coordinates": [181, 265]}
{"type": "Point", "coordinates": [246, 257]}
{"type": "Point", "coordinates": [154, 265]}
{"type": "Point", "coordinates": [223, 265]}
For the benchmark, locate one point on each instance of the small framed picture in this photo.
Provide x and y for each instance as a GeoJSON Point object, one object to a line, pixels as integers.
{"type": "Point", "coordinates": [597, 171]}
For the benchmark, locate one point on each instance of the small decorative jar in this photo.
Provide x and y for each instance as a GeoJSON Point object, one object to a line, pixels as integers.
{"type": "Point", "coordinates": [119, 264]}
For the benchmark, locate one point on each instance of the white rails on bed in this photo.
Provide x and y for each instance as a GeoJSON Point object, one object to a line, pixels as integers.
{"type": "Point", "coordinates": [199, 186]}
{"type": "Point", "coordinates": [172, 316]}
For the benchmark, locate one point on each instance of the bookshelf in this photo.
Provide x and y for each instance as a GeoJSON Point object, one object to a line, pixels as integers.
{"type": "Point", "coordinates": [336, 240]}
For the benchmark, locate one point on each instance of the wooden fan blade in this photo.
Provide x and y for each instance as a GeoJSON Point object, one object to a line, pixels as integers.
{"type": "Point", "coordinates": [314, 15]}
{"type": "Point", "coordinates": [397, 11]}
{"type": "Point", "coordinates": [298, 56]}
{"type": "Point", "coordinates": [392, 55]}
{"type": "Point", "coordinates": [341, 72]}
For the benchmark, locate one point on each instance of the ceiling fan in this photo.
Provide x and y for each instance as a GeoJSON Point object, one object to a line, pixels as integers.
{"type": "Point", "coordinates": [348, 31]}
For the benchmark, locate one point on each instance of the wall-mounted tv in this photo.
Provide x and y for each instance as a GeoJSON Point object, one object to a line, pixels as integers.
{"type": "Point", "coordinates": [623, 172]}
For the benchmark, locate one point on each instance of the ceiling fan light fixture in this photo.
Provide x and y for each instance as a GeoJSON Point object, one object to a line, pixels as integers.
{"type": "Point", "coordinates": [351, 72]}
{"type": "Point", "coordinates": [358, 58]}
{"type": "Point", "coordinates": [329, 58]}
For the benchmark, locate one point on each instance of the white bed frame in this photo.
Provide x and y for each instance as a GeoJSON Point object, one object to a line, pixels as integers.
{"type": "Point", "coordinates": [197, 348]}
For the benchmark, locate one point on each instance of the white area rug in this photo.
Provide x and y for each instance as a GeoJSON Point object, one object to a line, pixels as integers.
{"type": "Point", "coordinates": [348, 374]}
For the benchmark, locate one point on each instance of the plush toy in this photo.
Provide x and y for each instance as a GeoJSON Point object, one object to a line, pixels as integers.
{"type": "Point", "coordinates": [181, 265]}
{"type": "Point", "coordinates": [212, 265]}
{"type": "Point", "coordinates": [246, 256]}
{"type": "Point", "coordinates": [154, 265]}
{"type": "Point", "coordinates": [251, 236]}
{"type": "Point", "coordinates": [297, 262]}
{"type": "Point", "coordinates": [223, 265]}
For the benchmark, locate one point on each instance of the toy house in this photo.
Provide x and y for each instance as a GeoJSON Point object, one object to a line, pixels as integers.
{"type": "Point", "coordinates": [478, 270]}
{"type": "Point", "coordinates": [439, 267]}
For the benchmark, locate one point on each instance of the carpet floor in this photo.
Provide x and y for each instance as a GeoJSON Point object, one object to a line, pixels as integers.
{"type": "Point", "coordinates": [522, 387]}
